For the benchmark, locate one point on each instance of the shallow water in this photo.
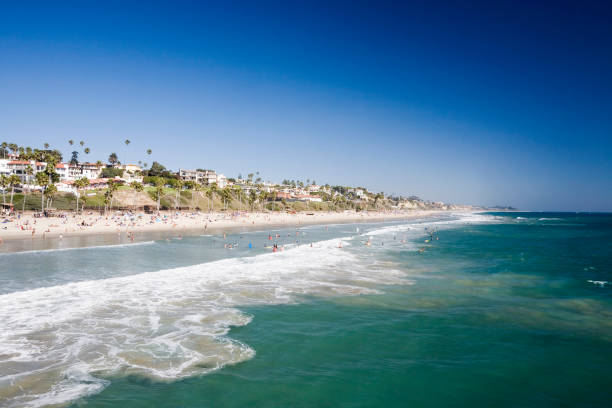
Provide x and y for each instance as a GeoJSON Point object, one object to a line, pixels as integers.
{"type": "Point", "coordinates": [494, 310]}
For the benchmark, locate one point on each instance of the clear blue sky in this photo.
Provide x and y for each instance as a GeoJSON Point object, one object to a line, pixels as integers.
{"type": "Point", "coordinates": [491, 103]}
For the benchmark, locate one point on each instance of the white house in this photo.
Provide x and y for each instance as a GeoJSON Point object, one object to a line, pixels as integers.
{"type": "Point", "coordinates": [207, 177]}
{"type": "Point", "coordinates": [19, 167]}
{"type": "Point", "coordinates": [4, 169]}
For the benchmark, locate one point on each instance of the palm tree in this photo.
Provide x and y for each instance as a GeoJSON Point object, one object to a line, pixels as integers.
{"type": "Point", "coordinates": [199, 188]}
{"type": "Point", "coordinates": [50, 192]}
{"type": "Point", "coordinates": [138, 187]}
{"type": "Point", "coordinates": [377, 198]}
{"type": "Point", "coordinates": [79, 184]}
{"type": "Point", "coordinates": [42, 179]}
{"type": "Point", "coordinates": [263, 197]}
{"type": "Point", "coordinates": [210, 193]}
{"type": "Point", "coordinates": [4, 147]}
{"type": "Point", "coordinates": [4, 184]}
{"type": "Point", "coordinates": [29, 171]}
{"type": "Point", "coordinates": [237, 193]}
{"type": "Point", "coordinates": [159, 189]}
{"type": "Point", "coordinates": [108, 195]}
{"type": "Point", "coordinates": [113, 159]}
{"type": "Point", "coordinates": [179, 187]}
{"type": "Point", "coordinates": [190, 185]}
{"type": "Point", "coordinates": [226, 195]}
{"type": "Point", "coordinates": [13, 180]}
{"type": "Point", "coordinates": [13, 147]}
{"type": "Point", "coordinates": [252, 198]}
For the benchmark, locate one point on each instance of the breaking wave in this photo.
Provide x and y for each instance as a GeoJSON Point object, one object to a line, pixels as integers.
{"type": "Point", "coordinates": [42, 251]}
{"type": "Point", "coordinates": [59, 343]}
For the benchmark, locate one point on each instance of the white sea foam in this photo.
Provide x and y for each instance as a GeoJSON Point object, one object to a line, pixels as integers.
{"type": "Point", "coordinates": [37, 251]}
{"type": "Point", "coordinates": [59, 343]}
{"type": "Point", "coordinates": [418, 227]}
{"type": "Point", "coordinates": [598, 282]}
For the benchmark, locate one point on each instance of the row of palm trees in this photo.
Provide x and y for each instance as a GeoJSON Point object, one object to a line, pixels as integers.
{"type": "Point", "coordinates": [48, 177]}
{"type": "Point", "coordinates": [226, 195]}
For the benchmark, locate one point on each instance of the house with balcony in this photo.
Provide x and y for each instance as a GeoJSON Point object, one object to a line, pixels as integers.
{"type": "Point", "coordinates": [206, 177]}
{"type": "Point", "coordinates": [19, 168]}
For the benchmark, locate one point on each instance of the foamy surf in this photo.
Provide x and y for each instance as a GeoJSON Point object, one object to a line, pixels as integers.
{"type": "Point", "coordinates": [42, 251]}
{"type": "Point", "coordinates": [164, 325]}
{"type": "Point", "coordinates": [418, 227]}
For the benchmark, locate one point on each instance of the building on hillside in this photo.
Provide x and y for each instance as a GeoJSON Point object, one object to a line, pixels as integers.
{"type": "Point", "coordinates": [132, 168]}
{"type": "Point", "coordinates": [221, 181]}
{"type": "Point", "coordinates": [62, 171]}
{"type": "Point", "coordinates": [308, 197]}
{"type": "Point", "coordinates": [69, 172]}
{"type": "Point", "coordinates": [131, 172]}
{"type": "Point", "coordinates": [282, 195]}
{"type": "Point", "coordinates": [189, 175]}
{"type": "Point", "coordinates": [19, 168]}
{"type": "Point", "coordinates": [206, 177]}
{"type": "Point", "coordinates": [4, 169]}
{"type": "Point", "coordinates": [66, 186]}
{"type": "Point", "coordinates": [91, 170]}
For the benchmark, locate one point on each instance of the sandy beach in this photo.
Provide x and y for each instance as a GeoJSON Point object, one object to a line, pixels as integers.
{"type": "Point", "coordinates": [66, 224]}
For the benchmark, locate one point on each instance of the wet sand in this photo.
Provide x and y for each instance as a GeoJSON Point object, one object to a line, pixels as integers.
{"type": "Point", "coordinates": [118, 229]}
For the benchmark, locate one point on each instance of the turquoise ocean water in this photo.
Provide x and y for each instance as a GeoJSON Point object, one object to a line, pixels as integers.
{"type": "Point", "coordinates": [496, 309]}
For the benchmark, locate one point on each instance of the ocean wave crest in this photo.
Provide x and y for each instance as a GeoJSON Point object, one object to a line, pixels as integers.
{"type": "Point", "coordinates": [164, 325]}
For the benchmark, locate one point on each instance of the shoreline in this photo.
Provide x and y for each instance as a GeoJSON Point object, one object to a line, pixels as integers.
{"type": "Point", "coordinates": [113, 229]}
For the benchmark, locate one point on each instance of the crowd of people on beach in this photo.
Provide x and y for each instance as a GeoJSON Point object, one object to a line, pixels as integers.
{"type": "Point", "coordinates": [57, 224]}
